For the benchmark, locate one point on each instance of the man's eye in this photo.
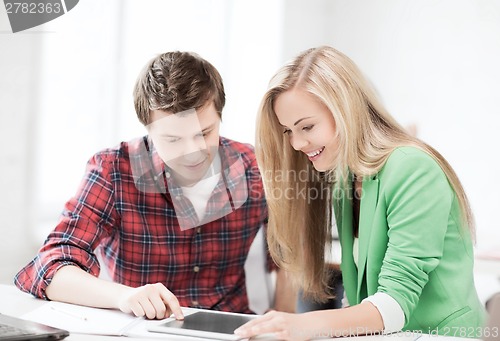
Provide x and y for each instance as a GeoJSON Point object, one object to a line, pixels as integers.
{"type": "Point", "coordinates": [173, 140]}
{"type": "Point", "coordinates": [205, 133]}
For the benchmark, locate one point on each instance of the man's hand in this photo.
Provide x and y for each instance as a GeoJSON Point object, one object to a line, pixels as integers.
{"type": "Point", "coordinates": [150, 300]}
{"type": "Point", "coordinates": [73, 285]}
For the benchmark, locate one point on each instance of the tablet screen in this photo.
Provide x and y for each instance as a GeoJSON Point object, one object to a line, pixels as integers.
{"type": "Point", "coordinates": [206, 324]}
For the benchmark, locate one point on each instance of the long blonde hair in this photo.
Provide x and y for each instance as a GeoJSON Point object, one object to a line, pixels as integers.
{"type": "Point", "coordinates": [299, 197]}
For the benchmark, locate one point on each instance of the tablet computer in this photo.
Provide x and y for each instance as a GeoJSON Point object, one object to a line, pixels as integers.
{"type": "Point", "coordinates": [207, 324]}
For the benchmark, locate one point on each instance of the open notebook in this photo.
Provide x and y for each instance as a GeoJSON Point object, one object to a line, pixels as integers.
{"type": "Point", "coordinates": [83, 320]}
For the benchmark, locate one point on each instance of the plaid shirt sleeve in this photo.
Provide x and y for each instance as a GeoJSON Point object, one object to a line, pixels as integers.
{"type": "Point", "coordinates": [86, 220]}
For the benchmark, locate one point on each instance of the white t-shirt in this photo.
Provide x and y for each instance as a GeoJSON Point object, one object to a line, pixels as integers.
{"type": "Point", "coordinates": [200, 193]}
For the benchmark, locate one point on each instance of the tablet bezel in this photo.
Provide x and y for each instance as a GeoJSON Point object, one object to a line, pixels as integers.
{"type": "Point", "coordinates": [164, 327]}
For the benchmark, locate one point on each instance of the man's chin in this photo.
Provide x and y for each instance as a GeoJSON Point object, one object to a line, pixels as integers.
{"type": "Point", "coordinates": [190, 178]}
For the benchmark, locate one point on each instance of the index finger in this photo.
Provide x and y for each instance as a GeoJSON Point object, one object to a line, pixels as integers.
{"type": "Point", "coordinates": [172, 303]}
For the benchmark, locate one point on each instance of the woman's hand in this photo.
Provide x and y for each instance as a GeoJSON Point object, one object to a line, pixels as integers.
{"type": "Point", "coordinates": [284, 326]}
{"type": "Point", "coordinates": [150, 300]}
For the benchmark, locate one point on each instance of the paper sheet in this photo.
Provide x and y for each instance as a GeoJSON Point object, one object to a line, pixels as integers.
{"type": "Point", "coordinates": [83, 320]}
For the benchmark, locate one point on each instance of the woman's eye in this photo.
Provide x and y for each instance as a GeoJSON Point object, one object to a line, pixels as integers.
{"type": "Point", "coordinates": [307, 128]}
{"type": "Point", "coordinates": [287, 131]}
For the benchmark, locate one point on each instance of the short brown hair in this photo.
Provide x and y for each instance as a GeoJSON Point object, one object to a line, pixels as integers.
{"type": "Point", "coordinates": [177, 81]}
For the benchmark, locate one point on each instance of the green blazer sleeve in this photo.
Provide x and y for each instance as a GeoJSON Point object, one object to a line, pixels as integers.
{"type": "Point", "coordinates": [412, 245]}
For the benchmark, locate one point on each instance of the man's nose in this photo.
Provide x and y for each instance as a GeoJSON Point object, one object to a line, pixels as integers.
{"type": "Point", "coordinates": [194, 145]}
{"type": "Point", "coordinates": [194, 148]}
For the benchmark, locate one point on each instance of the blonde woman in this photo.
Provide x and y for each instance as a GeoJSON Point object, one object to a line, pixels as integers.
{"type": "Point", "coordinates": [326, 144]}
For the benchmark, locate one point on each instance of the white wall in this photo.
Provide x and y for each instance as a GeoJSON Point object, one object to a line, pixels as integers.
{"type": "Point", "coordinates": [434, 64]}
{"type": "Point", "coordinates": [18, 71]}
{"type": "Point", "coordinates": [68, 91]}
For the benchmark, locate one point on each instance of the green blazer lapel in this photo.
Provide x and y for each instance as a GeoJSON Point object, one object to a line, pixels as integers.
{"type": "Point", "coordinates": [368, 204]}
{"type": "Point", "coordinates": [344, 225]}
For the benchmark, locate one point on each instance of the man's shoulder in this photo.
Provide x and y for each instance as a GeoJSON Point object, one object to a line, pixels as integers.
{"type": "Point", "coordinates": [241, 157]}
{"type": "Point", "coordinates": [245, 151]}
{"type": "Point", "coordinates": [240, 147]}
{"type": "Point", "coordinates": [124, 150]}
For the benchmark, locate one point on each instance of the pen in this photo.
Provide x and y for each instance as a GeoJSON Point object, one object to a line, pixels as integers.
{"type": "Point", "coordinates": [69, 314]}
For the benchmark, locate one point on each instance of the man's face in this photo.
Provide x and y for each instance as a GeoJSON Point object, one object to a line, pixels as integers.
{"type": "Point", "coordinates": [187, 141]}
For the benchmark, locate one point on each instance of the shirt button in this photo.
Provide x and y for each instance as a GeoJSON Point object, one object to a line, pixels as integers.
{"type": "Point", "coordinates": [167, 174]}
{"type": "Point", "coordinates": [194, 302]}
{"type": "Point", "coordinates": [155, 177]}
{"type": "Point", "coordinates": [196, 269]}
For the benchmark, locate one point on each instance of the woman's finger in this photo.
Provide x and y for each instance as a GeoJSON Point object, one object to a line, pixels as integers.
{"type": "Point", "coordinates": [269, 323]}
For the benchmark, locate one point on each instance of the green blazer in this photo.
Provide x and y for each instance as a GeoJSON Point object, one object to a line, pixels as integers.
{"type": "Point", "coordinates": [412, 246]}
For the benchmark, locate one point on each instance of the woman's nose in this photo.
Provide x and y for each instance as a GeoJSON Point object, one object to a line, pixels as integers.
{"type": "Point", "coordinates": [298, 143]}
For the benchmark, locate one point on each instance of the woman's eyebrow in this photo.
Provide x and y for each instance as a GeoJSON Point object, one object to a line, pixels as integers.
{"type": "Point", "coordinates": [300, 120]}
{"type": "Point", "coordinates": [297, 122]}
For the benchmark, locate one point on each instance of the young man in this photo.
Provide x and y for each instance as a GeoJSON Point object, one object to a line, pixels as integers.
{"type": "Point", "coordinates": [172, 214]}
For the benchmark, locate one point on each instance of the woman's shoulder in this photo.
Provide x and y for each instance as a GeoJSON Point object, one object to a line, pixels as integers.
{"type": "Point", "coordinates": [407, 160]}
{"type": "Point", "coordinates": [410, 156]}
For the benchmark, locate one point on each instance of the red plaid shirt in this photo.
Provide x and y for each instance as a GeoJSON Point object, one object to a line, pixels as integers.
{"type": "Point", "coordinates": [124, 206]}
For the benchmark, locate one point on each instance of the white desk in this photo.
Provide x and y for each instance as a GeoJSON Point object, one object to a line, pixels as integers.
{"type": "Point", "coordinates": [16, 303]}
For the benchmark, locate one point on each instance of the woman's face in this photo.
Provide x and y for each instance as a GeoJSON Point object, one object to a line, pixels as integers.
{"type": "Point", "coordinates": [309, 125]}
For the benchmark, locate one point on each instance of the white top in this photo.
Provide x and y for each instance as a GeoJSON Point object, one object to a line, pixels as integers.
{"type": "Point", "coordinates": [391, 312]}
{"type": "Point", "coordinates": [200, 193]}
